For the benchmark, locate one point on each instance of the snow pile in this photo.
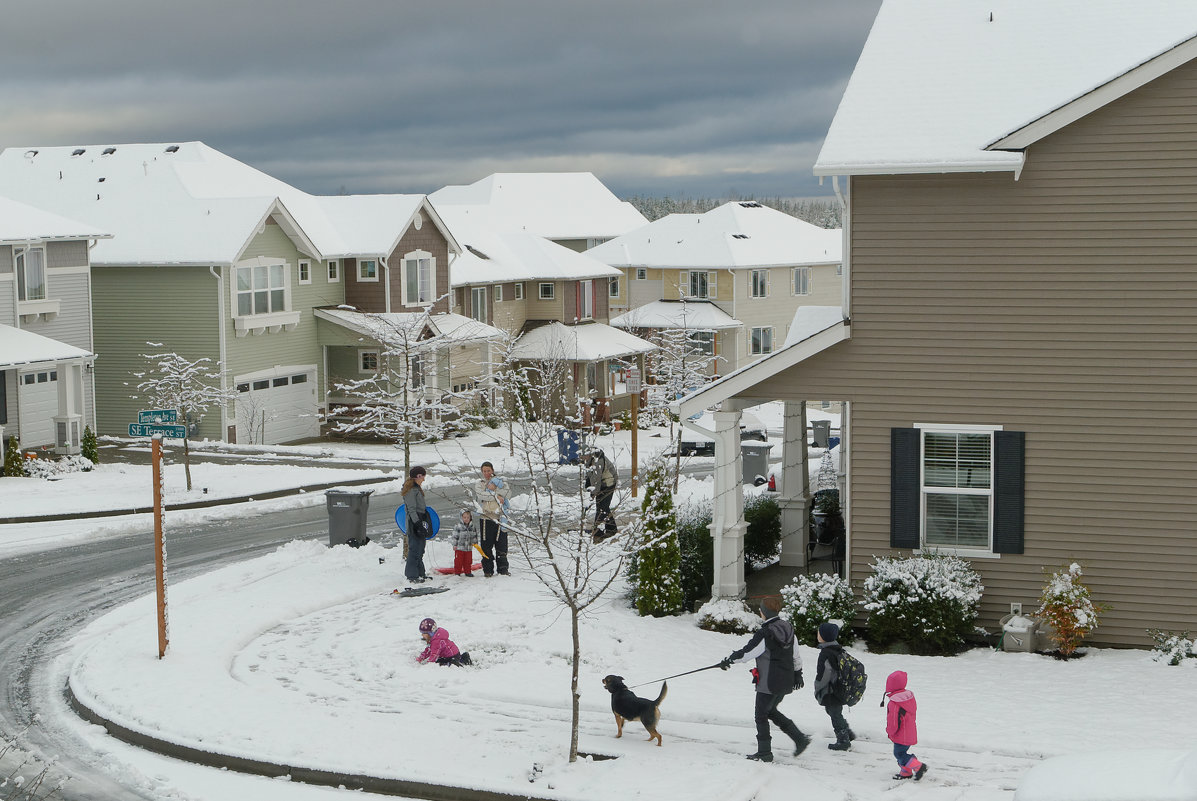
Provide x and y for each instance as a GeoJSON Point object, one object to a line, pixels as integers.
{"type": "Point", "coordinates": [1123, 775]}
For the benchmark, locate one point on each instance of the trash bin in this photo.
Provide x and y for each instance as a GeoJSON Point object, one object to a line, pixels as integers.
{"type": "Point", "coordinates": [1018, 633]}
{"type": "Point", "coordinates": [755, 456]}
{"type": "Point", "coordinates": [820, 431]}
{"type": "Point", "coordinates": [567, 446]}
{"type": "Point", "coordinates": [347, 515]}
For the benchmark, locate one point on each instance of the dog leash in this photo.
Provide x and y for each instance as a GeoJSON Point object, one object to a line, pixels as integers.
{"type": "Point", "coordinates": [674, 676]}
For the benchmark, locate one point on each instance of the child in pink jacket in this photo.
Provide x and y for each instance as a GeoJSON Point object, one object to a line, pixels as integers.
{"type": "Point", "coordinates": [900, 726]}
{"type": "Point", "coordinates": [441, 649]}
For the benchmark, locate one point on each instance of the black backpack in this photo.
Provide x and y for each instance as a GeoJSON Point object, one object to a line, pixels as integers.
{"type": "Point", "coordinates": [850, 679]}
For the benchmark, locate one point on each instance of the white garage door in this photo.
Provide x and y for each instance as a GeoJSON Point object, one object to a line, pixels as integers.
{"type": "Point", "coordinates": [277, 406]}
{"type": "Point", "coordinates": [37, 392]}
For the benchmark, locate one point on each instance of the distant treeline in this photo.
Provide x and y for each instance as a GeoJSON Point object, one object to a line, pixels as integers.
{"type": "Point", "coordinates": [823, 212]}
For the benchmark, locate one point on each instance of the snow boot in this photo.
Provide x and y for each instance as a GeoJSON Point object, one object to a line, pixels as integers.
{"type": "Point", "coordinates": [801, 741]}
{"type": "Point", "coordinates": [764, 751]}
{"type": "Point", "coordinates": [851, 735]}
{"type": "Point", "coordinates": [917, 768]}
{"type": "Point", "coordinates": [842, 743]}
{"type": "Point", "coordinates": [904, 773]}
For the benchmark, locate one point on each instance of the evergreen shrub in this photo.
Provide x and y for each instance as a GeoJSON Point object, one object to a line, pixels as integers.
{"type": "Point", "coordinates": [89, 448]}
{"type": "Point", "coordinates": [815, 599]}
{"type": "Point", "coordinates": [928, 602]}
{"type": "Point", "coordinates": [658, 585]}
{"type": "Point", "coordinates": [14, 460]}
{"type": "Point", "coordinates": [698, 553]}
{"type": "Point", "coordinates": [761, 540]}
{"type": "Point", "coordinates": [1068, 607]}
{"type": "Point", "coordinates": [1171, 647]}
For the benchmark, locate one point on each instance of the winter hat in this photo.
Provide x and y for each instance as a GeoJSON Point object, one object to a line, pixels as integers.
{"type": "Point", "coordinates": [828, 632]}
{"type": "Point", "coordinates": [771, 604]}
{"type": "Point", "coordinates": [469, 512]}
{"type": "Point", "coordinates": [427, 625]}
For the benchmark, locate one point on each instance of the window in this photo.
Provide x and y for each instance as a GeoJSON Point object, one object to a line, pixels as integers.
{"type": "Point", "coordinates": [519, 291]}
{"type": "Point", "coordinates": [585, 307]}
{"type": "Point", "coordinates": [417, 372]}
{"type": "Point", "coordinates": [367, 270]}
{"type": "Point", "coordinates": [302, 378]}
{"type": "Point", "coordinates": [548, 291]}
{"type": "Point", "coordinates": [418, 271]}
{"type": "Point", "coordinates": [613, 288]}
{"type": "Point", "coordinates": [262, 384]}
{"type": "Point", "coordinates": [762, 341]}
{"type": "Point", "coordinates": [280, 382]}
{"type": "Point", "coordinates": [801, 280]}
{"type": "Point", "coordinates": [30, 265]}
{"type": "Point", "coordinates": [334, 271]}
{"type": "Point", "coordinates": [261, 289]}
{"type": "Point", "coordinates": [703, 341]}
{"type": "Point", "coordinates": [478, 303]}
{"type": "Point", "coordinates": [698, 284]}
{"type": "Point", "coordinates": [243, 387]}
{"type": "Point", "coordinates": [367, 361]}
{"type": "Point", "coordinates": [498, 293]}
{"type": "Point", "coordinates": [957, 488]}
{"type": "Point", "coordinates": [595, 241]}
{"type": "Point", "coordinates": [305, 271]}
{"type": "Point", "coordinates": [760, 283]}
{"type": "Point", "coordinates": [641, 273]}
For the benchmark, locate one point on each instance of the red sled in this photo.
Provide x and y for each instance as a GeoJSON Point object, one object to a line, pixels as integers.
{"type": "Point", "coordinates": [448, 571]}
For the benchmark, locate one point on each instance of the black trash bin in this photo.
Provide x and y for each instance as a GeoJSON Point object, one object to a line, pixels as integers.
{"type": "Point", "coordinates": [347, 516]}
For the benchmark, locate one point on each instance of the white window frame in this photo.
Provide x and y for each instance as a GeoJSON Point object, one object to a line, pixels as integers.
{"type": "Point", "coordinates": [498, 293]}
{"type": "Point", "coordinates": [274, 268]}
{"type": "Point", "coordinates": [552, 295]}
{"type": "Point", "coordinates": [479, 293]}
{"type": "Point", "coordinates": [365, 354]}
{"type": "Point", "coordinates": [641, 273]}
{"type": "Point", "coordinates": [613, 287]}
{"type": "Point", "coordinates": [519, 290]}
{"type": "Point", "coordinates": [425, 266]}
{"type": "Point", "coordinates": [762, 350]}
{"type": "Point", "coordinates": [361, 271]}
{"type": "Point", "coordinates": [20, 260]}
{"type": "Point", "coordinates": [985, 551]}
{"type": "Point", "coordinates": [304, 268]}
{"type": "Point", "coordinates": [586, 300]}
{"type": "Point", "coordinates": [333, 270]}
{"type": "Point", "coordinates": [802, 281]}
{"type": "Point", "coordinates": [758, 283]}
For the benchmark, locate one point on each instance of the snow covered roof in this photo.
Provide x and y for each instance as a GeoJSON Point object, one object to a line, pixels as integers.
{"type": "Point", "coordinates": [736, 234]}
{"type": "Point", "coordinates": [555, 205]}
{"type": "Point", "coordinates": [384, 326]}
{"type": "Point", "coordinates": [191, 204]}
{"type": "Point", "coordinates": [585, 342]}
{"type": "Point", "coordinates": [493, 252]}
{"type": "Point", "coordinates": [19, 347]}
{"type": "Point", "coordinates": [810, 320]}
{"type": "Point", "coordinates": [20, 222]}
{"type": "Point", "coordinates": [691, 314]}
{"type": "Point", "coordinates": [941, 81]}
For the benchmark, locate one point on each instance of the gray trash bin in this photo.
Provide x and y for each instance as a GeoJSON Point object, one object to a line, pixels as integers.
{"type": "Point", "coordinates": [820, 433]}
{"type": "Point", "coordinates": [755, 456]}
{"type": "Point", "coordinates": [347, 515]}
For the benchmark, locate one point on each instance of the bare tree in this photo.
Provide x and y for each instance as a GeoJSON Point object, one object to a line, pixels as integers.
{"type": "Point", "coordinates": [189, 386]}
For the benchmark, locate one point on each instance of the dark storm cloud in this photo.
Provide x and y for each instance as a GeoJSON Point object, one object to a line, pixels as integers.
{"type": "Point", "coordinates": [654, 96]}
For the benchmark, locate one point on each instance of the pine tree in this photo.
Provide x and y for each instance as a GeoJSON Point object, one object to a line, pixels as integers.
{"type": "Point", "coordinates": [14, 461]}
{"type": "Point", "coordinates": [659, 559]}
{"type": "Point", "coordinates": [89, 448]}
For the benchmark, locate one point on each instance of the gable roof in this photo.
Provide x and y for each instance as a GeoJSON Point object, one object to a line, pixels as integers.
{"type": "Point", "coordinates": [584, 342]}
{"type": "Point", "coordinates": [555, 205]}
{"type": "Point", "coordinates": [949, 86]}
{"type": "Point", "coordinates": [736, 234]}
{"type": "Point", "coordinates": [492, 252]}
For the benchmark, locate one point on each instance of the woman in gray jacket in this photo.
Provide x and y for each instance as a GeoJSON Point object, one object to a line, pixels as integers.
{"type": "Point", "coordinates": [419, 525]}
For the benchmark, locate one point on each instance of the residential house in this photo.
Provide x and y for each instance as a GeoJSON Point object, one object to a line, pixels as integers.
{"type": "Point", "coordinates": [753, 263]}
{"type": "Point", "coordinates": [47, 393]}
{"type": "Point", "coordinates": [1016, 349]}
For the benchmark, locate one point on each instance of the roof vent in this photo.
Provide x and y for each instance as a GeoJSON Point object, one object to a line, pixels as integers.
{"type": "Point", "coordinates": [477, 252]}
{"type": "Point", "coordinates": [101, 181]}
{"type": "Point", "coordinates": [739, 236]}
{"type": "Point", "coordinates": [78, 151]}
{"type": "Point", "coordinates": [751, 204]}
{"type": "Point", "coordinates": [30, 154]}
{"type": "Point", "coordinates": [108, 151]}
{"type": "Point", "coordinates": [172, 149]}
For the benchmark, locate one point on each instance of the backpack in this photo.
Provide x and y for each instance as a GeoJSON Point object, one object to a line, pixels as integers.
{"type": "Point", "coordinates": [850, 679]}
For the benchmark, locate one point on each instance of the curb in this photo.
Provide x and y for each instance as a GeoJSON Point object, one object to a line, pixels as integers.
{"type": "Point", "coordinates": [326, 778]}
{"type": "Point", "coordinates": [137, 510]}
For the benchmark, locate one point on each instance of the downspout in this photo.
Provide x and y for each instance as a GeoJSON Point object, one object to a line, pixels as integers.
{"type": "Point", "coordinates": [90, 376]}
{"type": "Point", "coordinates": [386, 268]}
{"type": "Point", "coordinates": [224, 366]}
{"type": "Point", "coordinates": [846, 218]}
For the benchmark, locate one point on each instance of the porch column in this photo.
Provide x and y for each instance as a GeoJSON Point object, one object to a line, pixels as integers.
{"type": "Point", "coordinates": [795, 491]}
{"type": "Point", "coordinates": [68, 423]}
{"type": "Point", "coordinates": [727, 523]}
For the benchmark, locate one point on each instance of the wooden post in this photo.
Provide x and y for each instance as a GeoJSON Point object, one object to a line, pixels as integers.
{"type": "Point", "coordinates": [634, 388]}
{"type": "Point", "coordinates": [159, 545]}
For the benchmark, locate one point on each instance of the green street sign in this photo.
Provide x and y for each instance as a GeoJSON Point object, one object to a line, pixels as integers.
{"type": "Point", "coordinates": [156, 416]}
{"type": "Point", "coordinates": [142, 430]}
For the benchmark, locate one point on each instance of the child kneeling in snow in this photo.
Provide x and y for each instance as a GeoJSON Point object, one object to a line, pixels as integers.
{"type": "Point", "coordinates": [441, 649]}
{"type": "Point", "coordinates": [900, 726]}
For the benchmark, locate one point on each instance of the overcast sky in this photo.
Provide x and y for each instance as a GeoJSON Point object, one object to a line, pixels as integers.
{"type": "Point", "coordinates": [686, 98]}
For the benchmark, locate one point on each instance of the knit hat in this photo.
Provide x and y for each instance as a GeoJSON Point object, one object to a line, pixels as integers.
{"type": "Point", "coordinates": [427, 625]}
{"type": "Point", "coordinates": [828, 632]}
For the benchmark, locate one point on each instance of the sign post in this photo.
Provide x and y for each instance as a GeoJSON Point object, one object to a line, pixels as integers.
{"type": "Point", "coordinates": [634, 388]}
{"type": "Point", "coordinates": [159, 545]}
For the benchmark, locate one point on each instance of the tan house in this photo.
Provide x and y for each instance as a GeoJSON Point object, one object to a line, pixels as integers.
{"type": "Point", "coordinates": [1016, 348]}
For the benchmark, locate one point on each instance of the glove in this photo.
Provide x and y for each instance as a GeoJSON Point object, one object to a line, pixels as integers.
{"type": "Point", "coordinates": [798, 682]}
{"type": "Point", "coordinates": [726, 663]}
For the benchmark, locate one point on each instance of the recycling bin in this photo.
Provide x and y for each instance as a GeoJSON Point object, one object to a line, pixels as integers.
{"type": "Point", "coordinates": [567, 446]}
{"type": "Point", "coordinates": [347, 515]}
{"type": "Point", "coordinates": [755, 456]}
{"type": "Point", "coordinates": [820, 432]}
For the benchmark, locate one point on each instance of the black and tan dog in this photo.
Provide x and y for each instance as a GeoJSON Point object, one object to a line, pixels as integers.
{"type": "Point", "coordinates": [628, 706]}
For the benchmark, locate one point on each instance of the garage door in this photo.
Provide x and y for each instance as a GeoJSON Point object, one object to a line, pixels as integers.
{"type": "Point", "coordinates": [37, 393]}
{"type": "Point", "coordinates": [277, 406]}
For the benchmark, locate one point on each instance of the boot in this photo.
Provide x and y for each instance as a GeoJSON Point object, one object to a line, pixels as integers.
{"type": "Point", "coordinates": [916, 767]}
{"type": "Point", "coordinates": [801, 741]}
{"type": "Point", "coordinates": [764, 751]}
{"type": "Point", "coordinates": [842, 743]}
{"type": "Point", "coordinates": [851, 735]}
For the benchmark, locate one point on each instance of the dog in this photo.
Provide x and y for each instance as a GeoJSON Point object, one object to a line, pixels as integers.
{"type": "Point", "coordinates": [628, 706]}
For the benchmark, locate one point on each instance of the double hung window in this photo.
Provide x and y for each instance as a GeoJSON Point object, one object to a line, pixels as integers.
{"type": "Point", "coordinates": [761, 341]}
{"type": "Point", "coordinates": [957, 488]}
{"type": "Point", "coordinates": [30, 265]}
{"type": "Point", "coordinates": [478, 304]}
{"type": "Point", "coordinates": [418, 271]}
{"type": "Point", "coordinates": [801, 280]}
{"type": "Point", "coordinates": [760, 283]}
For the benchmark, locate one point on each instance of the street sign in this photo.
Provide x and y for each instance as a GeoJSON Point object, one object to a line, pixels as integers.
{"type": "Point", "coordinates": [141, 430]}
{"type": "Point", "coordinates": [634, 382]}
{"type": "Point", "coordinates": [154, 416]}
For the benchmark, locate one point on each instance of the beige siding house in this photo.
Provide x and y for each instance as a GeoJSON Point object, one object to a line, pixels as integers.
{"type": "Point", "coordinates": [1019, 307]}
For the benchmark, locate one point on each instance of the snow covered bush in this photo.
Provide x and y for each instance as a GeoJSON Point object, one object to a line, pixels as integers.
{"type": "Point", "coordinates": [89, 448]}
{"type": "Point", "coordinates": [728, 616]}
{"type": "Point", "coordinates": [816, 599]}
{"type": "Point", "coordinates": [928, 602]}
{"type": "Point", "coordinates": [658, 585]}
{"type": "Point", "coordinates": [14, 460]}
{"type": "Point", "coordinates": [1172, 647]}
{"type": "Point", "coordinates": [1066, 605]}
{"type": "Point", "coordinates": [45, 468]}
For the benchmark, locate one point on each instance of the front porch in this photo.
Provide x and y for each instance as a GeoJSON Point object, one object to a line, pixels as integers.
{"type": "Point", "coordinates": [44, 400]}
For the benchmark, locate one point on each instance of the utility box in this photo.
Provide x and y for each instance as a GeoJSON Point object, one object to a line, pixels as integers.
{"type": "Point", "coordinates": [1019, 633]}
{"type": "Point", "coordinates": [820, 433]}
{"type": "Point", "coordinates": [755, 456]}
{"type": "Point", "coordinates": [347, 510]}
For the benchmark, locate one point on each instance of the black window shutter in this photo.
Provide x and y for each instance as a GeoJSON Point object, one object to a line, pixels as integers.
{"type": "Point", "coordinates": [905, 447]}
{"type": "Point", "coordinates": [1008, 486]}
